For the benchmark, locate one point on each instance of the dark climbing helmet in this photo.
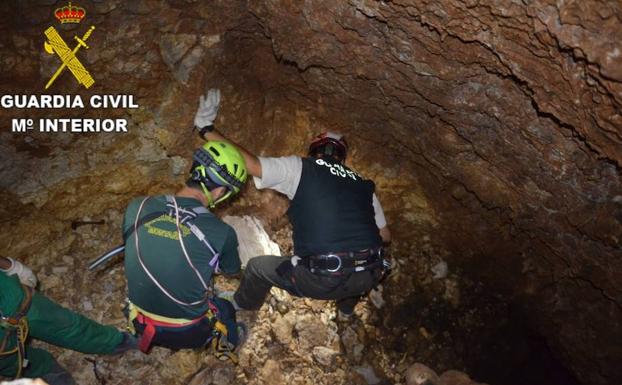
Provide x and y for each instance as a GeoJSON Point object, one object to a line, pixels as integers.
{"type": "Point", "coordinates": [329, 144]}
{"type": "Point", "coordinates": [218, 164]}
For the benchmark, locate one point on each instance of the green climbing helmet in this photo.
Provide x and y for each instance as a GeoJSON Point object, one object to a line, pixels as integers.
{"type": "Point", "coordinates": [218, 164]}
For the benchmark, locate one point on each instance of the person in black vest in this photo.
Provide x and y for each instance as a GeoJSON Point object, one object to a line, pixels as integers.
{"type": "Point", "coordinates": [338, 224]}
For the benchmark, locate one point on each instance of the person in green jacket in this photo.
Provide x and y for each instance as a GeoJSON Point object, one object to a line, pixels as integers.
{"type": "Point", "coordinates": [25, 313]}
{"type": "Point", "coordinates": [173, 246]}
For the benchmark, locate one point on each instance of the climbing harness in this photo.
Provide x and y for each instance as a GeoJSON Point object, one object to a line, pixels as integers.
{"type": "Point", "coordinates": [17, 325]}
{"type": "Point", "coordinates": [344, 263]}
{"type": "Point", "coordinates": [189, 215]}
{"type": "Point", "coordinates": [217, 341]}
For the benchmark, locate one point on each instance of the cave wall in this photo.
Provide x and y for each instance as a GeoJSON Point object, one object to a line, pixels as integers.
{"type": "Point", "coordinates": [491, 128]}
{"type": "Point", "coordinates": [509, 116]}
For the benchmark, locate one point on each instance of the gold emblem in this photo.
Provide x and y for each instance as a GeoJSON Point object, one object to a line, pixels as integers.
{"type": "Point", "coordinates": [56, 44]}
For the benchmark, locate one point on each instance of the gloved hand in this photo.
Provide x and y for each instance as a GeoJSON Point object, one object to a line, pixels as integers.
{"type": "Point", "coordinates": [25, 275]}
{"type": "Point", "coordinates": [208, 108]}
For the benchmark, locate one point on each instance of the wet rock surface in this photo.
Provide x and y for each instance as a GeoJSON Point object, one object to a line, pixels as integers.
{"type": "Point", "coordinates": [492, 131]}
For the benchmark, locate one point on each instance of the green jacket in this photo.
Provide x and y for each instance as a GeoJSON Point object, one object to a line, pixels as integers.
{"type": "Point", "coordinates": [53, 324]}
{"type": "Point", "coordinates": [162, 254]}
{"type": "Point", "coordinates": [11, 294]}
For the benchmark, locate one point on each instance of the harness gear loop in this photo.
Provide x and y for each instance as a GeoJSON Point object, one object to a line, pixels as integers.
{"type": "Point", "coordinates": [221, 347]}
{"type": "Point", "coordinates": [17, 325]}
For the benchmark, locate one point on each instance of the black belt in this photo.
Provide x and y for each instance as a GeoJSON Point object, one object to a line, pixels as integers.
{"type": "Point", "coordinates": [344, 262]}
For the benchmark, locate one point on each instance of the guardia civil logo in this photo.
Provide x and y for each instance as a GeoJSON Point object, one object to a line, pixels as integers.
{"type": "Point", "coordinates": [55, 45]}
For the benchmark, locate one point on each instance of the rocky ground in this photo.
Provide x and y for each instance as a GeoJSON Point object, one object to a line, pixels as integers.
{"type": "Point", "coordinates": [291, 340]}
{"type": "Point", "coordinates": [491, 128]}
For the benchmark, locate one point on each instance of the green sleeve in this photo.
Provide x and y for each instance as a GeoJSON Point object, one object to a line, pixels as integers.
{"type": "Point", "coordinates": [229, 257]}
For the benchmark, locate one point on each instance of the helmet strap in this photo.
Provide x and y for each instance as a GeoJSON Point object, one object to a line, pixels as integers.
{"type": "Point", "coordinates": [208, 195]}
{"type": "Point", "coordinates": [207, 184]}
{"type": "Point", "coordinates": [223, 197]}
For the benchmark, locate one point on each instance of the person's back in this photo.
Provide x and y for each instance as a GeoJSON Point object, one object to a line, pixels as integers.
{"type": "Point", "coordinates": [174, 245]}
{"type": "Point", "coordinates": [161, 252]}
{"type": "Point", "coordinates": [332, 210]}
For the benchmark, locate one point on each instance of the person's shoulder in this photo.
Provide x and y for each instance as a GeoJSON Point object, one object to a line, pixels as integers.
{"type": "Point", "coordinates": [283, 157]}
{"type": "Point", "coordinates": [135, 202]}
{"type": "Point", "coordinates": [209, 219]}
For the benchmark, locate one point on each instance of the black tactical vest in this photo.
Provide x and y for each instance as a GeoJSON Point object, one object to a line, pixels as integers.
{"type": "Point", "coordinates": [332, 210]}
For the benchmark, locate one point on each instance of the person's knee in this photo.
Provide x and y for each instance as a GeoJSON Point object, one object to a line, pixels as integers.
{"type": "Point", "coordinates": [252, 265]}
{"type": "Point", "coordinates": [256, 266]}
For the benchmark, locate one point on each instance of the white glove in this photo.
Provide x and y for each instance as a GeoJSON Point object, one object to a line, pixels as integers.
{"type": "Point", "coordinates": [208, 108]}
{"type": "Point", "coordinates": [25, 275]}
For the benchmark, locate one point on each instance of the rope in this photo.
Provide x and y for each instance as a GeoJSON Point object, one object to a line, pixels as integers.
{"type": "Point", "coordinates": [149, 274]}
{"type": "Point", "coordinates": [21, 331]}
{"type": "Point", "coordinates": [19, 326]}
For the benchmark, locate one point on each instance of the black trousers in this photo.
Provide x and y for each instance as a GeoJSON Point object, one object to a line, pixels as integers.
{"type": "Point", "coordinates": [266, 271]}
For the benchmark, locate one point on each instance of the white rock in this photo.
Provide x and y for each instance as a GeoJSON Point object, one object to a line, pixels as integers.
{"type": "Point", "coordinates": [418, 374]}
{"type": "Point", "coordinates": [368, 374]}
{"type": "Point", "coordinates": [252, 237]}
{"type": "Point", "coordinates": [375, 296]}
{"type": "Point", "coordinates": [87, 305]}
{"type": "Point", "coordinates": [353, 347]}
{"type": "Point", "coordinates": [59, 270]}
{"type": "Point", "coordinates": [440, 270]}
{"type": "Point", "coordinates": [325, 356]}
{"type": "Point", "coordinates": [280, 295]}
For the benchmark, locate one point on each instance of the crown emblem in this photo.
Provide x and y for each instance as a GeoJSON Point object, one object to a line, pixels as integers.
{"type": "Point", "coordinates": [70, 14]}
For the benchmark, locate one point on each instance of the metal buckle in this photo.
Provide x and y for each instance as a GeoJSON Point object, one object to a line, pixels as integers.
{"type": "Point", "coordinates": [329, 256]}
{"type": "Point", "coordinates": [7, 322]}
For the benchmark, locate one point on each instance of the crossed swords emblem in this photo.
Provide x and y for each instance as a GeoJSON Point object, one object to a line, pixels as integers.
{"type": "Point", "coordinates": [56, 44]}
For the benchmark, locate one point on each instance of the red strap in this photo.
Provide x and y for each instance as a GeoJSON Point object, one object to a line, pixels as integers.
{"type": "Point", "coordinates": [147, 335]}
{"type": "Point", "coordinates": [149, 332]}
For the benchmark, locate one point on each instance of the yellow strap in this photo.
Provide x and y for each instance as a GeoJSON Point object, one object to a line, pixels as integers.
{"type": "Point", "coordinates": [134, 310]}
{"type": "Point", "coordinates": [21, 330]}
{"type": "Point", "coordinates": [22, 334]}
{"type": "Point", "coordinates": [221, 328]}
{"type": "Point", "coordinates": [223, 350]}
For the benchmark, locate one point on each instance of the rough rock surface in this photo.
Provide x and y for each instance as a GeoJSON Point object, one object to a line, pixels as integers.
{"type": "Point", "coordinates": [492, 130]}
{"type": "Point", "coordinates": [252, 238]}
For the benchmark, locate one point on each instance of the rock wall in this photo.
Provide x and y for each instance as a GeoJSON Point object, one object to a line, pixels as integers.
{"type": "Point", "coordinates": [492, 130]}
{"type": "Point", "coordinates": [509, 116]}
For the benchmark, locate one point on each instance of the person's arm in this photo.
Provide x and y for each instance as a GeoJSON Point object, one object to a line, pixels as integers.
{"type": "Point", "coordinates": [230, 259]}
{"type": "Point", "coordinates": [381, 221]}
{"type": "Point", "coordinates": [385, 234]}
{"type": "Point", "coordinates": [204, 122]}
{"type": "Point", "coordinates": [253, 166]}
{"type": "Point", "coordinates": [12, 267]}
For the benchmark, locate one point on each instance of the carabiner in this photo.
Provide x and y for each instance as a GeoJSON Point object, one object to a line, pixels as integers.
{"type": "Point", "coordinates": [328, 256]}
